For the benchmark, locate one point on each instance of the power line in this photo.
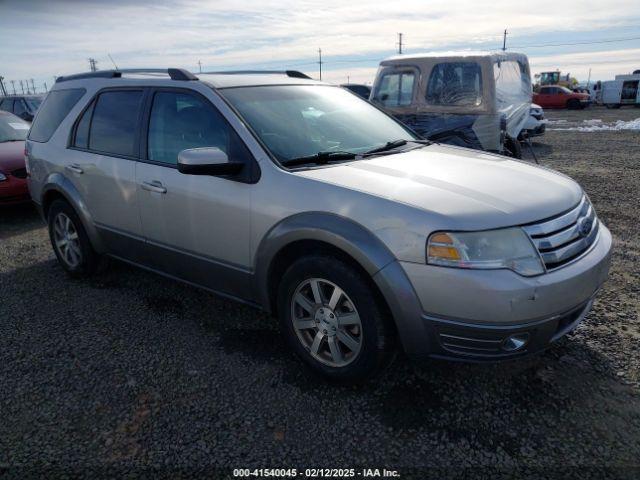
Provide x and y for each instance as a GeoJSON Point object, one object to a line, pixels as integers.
{"type": "Point", "coordinates": [611, 40]}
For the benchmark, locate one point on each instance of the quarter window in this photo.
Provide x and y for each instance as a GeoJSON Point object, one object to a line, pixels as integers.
{"type": "Point", "coordinates": [455, 83]}
{"type": "Point", "coordinates": [180, 121]}
{"type": "Point", "coordinates": [54, 109]}
{"type": "Point", "coordinates": [114, 122]}
{"type": "Point", "coordinates": [395, 89]}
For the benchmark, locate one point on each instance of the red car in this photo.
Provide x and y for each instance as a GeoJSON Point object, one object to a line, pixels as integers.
{"type": "Point", "coordinates": [13, 174]}
{"type": "Point", "coordinates": [554, 96]}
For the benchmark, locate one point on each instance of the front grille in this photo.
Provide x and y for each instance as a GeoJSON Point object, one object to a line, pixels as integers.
{"type": "Point", "coordinates": [565, 237]}
{"type": "Point", "coordinates": [20, 173]}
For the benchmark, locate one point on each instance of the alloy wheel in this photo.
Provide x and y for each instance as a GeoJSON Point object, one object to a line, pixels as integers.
{"type": "Point", "coordinates": [326, 322]}
{"type": "Point", "coordinates": [67, 243]}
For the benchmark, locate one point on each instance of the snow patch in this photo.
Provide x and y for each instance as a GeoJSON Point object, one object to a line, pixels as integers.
{"type": "Point", "coordinates": [596, 125]}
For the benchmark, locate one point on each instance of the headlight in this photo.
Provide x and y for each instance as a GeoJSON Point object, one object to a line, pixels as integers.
{"type": "Point", "coordinates": [492, 249]}
{"type": "Point", "coordinates": [2, 177]}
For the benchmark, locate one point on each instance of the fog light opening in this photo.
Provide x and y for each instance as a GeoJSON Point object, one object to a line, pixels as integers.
{"type": "Point", "coordinates": [515, 342]}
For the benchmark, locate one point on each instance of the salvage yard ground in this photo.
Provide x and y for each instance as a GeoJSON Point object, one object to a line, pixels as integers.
{"type": "Point", "coordinates": [131, 370]}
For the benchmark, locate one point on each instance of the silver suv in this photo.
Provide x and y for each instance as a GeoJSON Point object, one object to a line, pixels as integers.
{"type": "Point", "coordinates": [310, 203]}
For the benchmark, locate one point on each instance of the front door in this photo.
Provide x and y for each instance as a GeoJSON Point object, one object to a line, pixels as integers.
{"type": "Point", "coordinates": [196, 226]}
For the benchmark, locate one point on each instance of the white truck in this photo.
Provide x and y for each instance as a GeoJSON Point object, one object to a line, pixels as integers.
{"type": "Point", "coordinates": [621, 91]}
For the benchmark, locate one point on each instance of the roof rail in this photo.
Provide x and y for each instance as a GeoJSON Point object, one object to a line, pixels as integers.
{"type": "Point", "coordinates": [174, 73]}
{"type": "Point", "coordinates": [288, 73]}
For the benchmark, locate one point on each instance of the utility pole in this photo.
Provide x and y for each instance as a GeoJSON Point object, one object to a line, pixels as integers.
{"type": "Point", "coordinates": [21, 87]}
{"type": "Point", "coordinates": [93, 64]}
{"type": "Point", "coordinates": [504, 40]}
{"type": "Point", "coordinates": [589, 79]}
{"type": "Point", "coordinates": [320, 62]}
{"type": "Point", "coordinates": [45, 87]}
{"type": "Point", "coordinates": [2, 89]}
{"type": "Point", "coordinates": [199, 66]}
{"type": "Point", "coordinates": [348, 80]}
{"type": "Point", "coordinates": [13, 85]}
{"type": "Point", "coordinates": [400, 44]}
{"type": "Point", "coordinates": [33, 86]}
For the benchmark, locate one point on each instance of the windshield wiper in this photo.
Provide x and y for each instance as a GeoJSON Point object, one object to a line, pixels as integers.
{"type": "Point", "coordinates": [320, 158]}
{"type": "Point", "coordinates": [393, 145]}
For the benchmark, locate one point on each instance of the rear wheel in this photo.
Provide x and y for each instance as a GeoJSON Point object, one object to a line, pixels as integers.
{"type": "Point", "coordinates": [333, 320]}
{"type": "Point", "coordinates": [70, 241]}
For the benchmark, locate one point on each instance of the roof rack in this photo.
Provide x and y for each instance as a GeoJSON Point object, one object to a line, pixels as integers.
{"type": "Point", "coordinates": [174, 73]}
{"type": "Point", "coordinates": [288, 73]}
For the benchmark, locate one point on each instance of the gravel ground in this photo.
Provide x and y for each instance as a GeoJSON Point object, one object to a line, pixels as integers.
{"type": "Point", "coordinates": [131, 371]}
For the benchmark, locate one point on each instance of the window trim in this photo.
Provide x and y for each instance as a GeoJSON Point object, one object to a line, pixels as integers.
{"type": "Point", "coordinates": [143, 153]}
{"type": "Point", "coordinates": [91, 104]}
{"type": "Point", "coordinates": [449, 105]}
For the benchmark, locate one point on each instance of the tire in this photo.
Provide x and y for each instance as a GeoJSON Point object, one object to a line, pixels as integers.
{"type": "Point", "coordinates": [362, 348]}
{"type": "Point", "coordinates": [70, 241]}
{"type": "Point", "coordinates": [573, 104]}
{"type": "Point", "coordinates": [513, 148]}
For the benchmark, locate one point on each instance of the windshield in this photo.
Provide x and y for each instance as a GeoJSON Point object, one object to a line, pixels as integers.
{"type": "Point", "coordinates": [296, 121]}
{"type": "Point", "coordinates": [33, 103]}
{"type": "Point", "coordinates": [12, 128]}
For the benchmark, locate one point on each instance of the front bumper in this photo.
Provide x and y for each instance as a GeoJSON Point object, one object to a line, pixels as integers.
{"type": "Point", "coordinates": [468, 314]}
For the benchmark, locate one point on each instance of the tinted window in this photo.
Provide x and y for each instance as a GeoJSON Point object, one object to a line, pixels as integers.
{"type": "Point", "coordinates": [7, 104]}
{"type": "Point", "coordinates": [82, 129]}
{"type": "Point", "coordinates": [181, 120]}
{"type": "Point", "coordinates": [54, 109]}
{"type": "Point", "coordinates": [115, 121]}
{"type": "Point", "coordinates": [395, 89]}
{"type": "Point", "coordinates": [455, 83]}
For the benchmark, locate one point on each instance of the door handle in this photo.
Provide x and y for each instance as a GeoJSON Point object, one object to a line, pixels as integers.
{"type": "Point", "coordinates": [154, 186]}
{"type": "Point", "coordinates": [74, 168]}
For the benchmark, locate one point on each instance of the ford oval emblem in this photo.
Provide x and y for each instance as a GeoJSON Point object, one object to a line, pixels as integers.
{"type": "Point", "coordinates": [584, 226]}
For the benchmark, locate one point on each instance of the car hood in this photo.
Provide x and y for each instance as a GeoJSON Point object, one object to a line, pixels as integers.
{"type": "Point", "coordinates": [467, 189]}
{"type": "Point", "coordinates": [11, 155]}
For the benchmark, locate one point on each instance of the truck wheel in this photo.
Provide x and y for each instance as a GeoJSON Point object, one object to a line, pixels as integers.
{"type": "Point", "coordinates": [333, 320]}
{"type": "Point", "coordinates": [513, 148]}
{"type": "Point", "coordinates": [573, 104]}
{"type": "Point", "coordinates": [70, 241]}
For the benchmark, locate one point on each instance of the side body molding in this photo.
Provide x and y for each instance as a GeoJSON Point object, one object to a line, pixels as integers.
{"type": "Point", "coordinates": [60, 184]}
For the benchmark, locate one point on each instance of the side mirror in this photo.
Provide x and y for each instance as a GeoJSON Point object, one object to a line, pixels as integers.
{"type": "Point", "coordinates": [207, 161]}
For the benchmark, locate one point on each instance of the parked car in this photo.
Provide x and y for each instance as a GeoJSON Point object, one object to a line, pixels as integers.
{"type": "Point", "coordinates": [363, 91]}
{"type": "Point", "coordinates": [553, 96]}
{"type": "Point", "coordinates": [301, 199]}
{"type": "Point", "coordinates": [13, 175]}
{"type": "Point", "coordinates": [536, 124]}
{"type": "Point", "coordinates": [24, 106]}
{"type": "Point", "coordinates": [470, 99]}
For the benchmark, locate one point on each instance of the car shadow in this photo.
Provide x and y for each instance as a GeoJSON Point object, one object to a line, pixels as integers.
{"type": "Point", "coordinates": [18, 219]}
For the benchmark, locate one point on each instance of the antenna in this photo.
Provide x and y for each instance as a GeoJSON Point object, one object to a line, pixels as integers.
{"type": "Point", "coordinates": [504, 40]}
{"type": "Point", "coordinates": [114, 63]}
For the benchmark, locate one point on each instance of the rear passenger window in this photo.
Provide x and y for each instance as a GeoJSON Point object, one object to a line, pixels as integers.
{"type": "Point", "coordinates": [54, 109]}
{"type": "Point", "coordinates": [180, 121]}
{"type": "Point", "coordinates": [114, 122]}
{"type": "Point", "coordinates": [455, 83]}
{"type": "Point", "coordinates": [395, 89]}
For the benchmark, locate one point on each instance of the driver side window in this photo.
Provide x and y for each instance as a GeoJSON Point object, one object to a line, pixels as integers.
{"type": "Point", "coordinates": [181, 120]}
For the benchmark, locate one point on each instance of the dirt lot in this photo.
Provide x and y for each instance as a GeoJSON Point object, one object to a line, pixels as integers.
{"type": "Point", "coordinates": [132, 371]}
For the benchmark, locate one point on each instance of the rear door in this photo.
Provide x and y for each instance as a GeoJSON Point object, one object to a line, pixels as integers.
{"type": "Point", "coordinates": [197, 227]}
{"type": "Point", "coordinates": [101, 164]}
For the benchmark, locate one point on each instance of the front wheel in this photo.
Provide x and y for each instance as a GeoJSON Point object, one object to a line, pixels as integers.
{"type": "Point", "coordinates": [333, 320]}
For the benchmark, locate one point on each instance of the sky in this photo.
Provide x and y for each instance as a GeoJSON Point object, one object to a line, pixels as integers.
{"type": "Point", "coordinates": [41, 39]}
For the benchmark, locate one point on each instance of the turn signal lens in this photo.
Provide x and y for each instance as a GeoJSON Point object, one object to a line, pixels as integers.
{"type": "Point", "coordinates": [449, 253]}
